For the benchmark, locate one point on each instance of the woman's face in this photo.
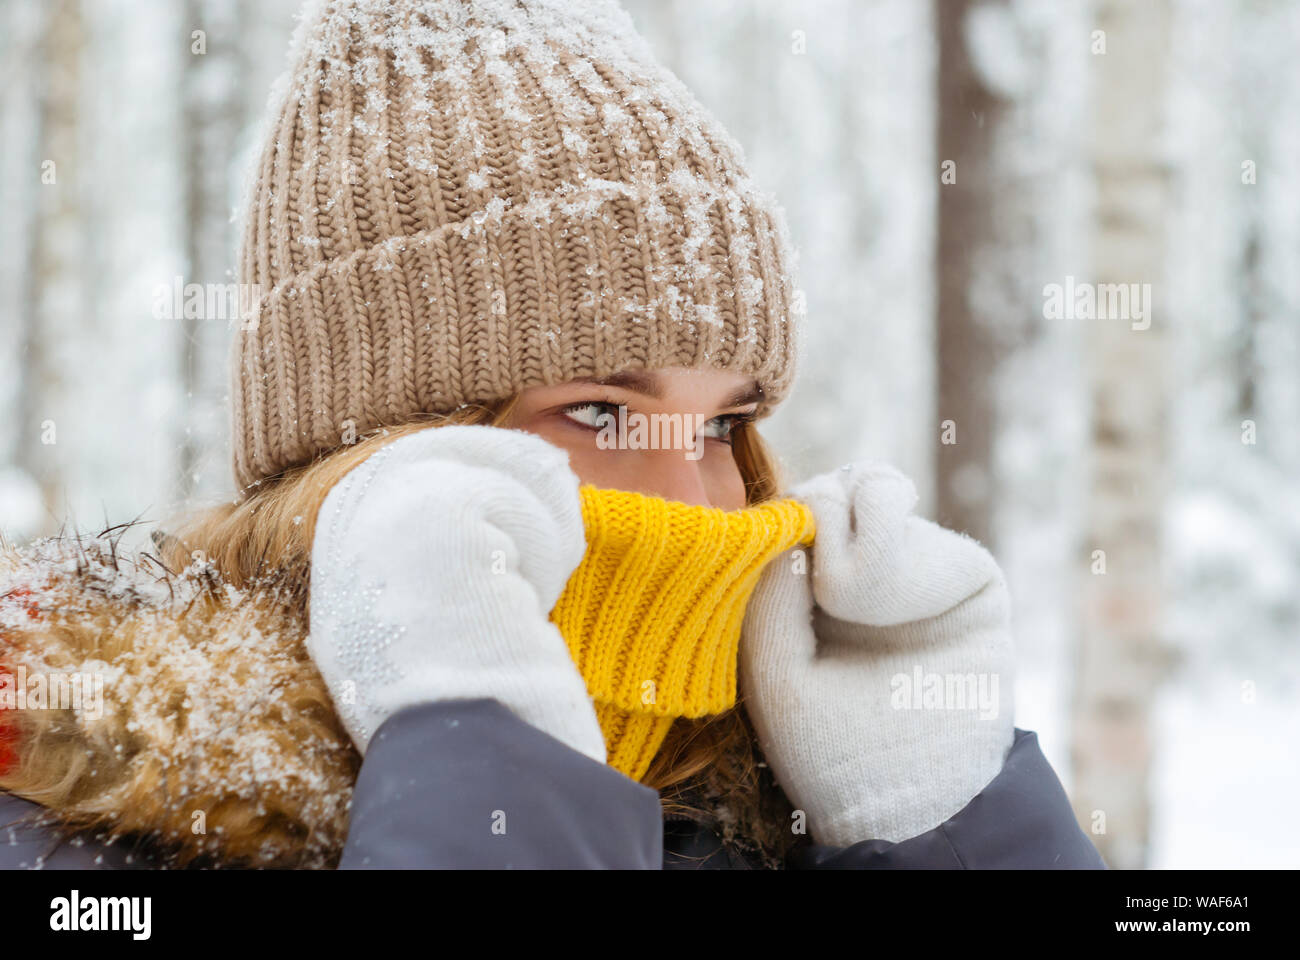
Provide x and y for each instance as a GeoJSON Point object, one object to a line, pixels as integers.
{"type": "Point", "coordinates": [665, 433]}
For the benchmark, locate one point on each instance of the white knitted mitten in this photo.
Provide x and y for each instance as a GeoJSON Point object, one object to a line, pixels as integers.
{"type": "Point", "coordinates": [435, 566]}
{"type": "Point", "coordinates": [829, 663]}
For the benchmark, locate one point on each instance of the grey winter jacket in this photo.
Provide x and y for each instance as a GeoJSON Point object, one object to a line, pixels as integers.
{"type": "Point", "coordinates": [467, 784]}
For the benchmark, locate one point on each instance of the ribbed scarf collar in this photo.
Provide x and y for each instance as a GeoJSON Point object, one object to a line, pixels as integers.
{"type": "Point", "coordinates": [652, 614]}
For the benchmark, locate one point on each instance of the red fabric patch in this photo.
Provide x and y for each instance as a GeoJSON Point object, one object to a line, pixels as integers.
{"type": "Point", "coordinates": [8, 735]}
{"type": "Point", "coordinates": [8, 741]}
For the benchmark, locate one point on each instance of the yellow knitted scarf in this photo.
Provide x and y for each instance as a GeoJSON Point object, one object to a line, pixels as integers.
{"type": "Point", "coordinates": [653, 612]}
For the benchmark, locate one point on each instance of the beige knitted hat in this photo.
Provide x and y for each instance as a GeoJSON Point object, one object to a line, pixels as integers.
{"type": "Point", "coordinates": [457, 199]}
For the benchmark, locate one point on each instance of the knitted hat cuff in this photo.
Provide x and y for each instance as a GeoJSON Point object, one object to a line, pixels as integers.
{"type": "Point", "coordinates": [572, 284]}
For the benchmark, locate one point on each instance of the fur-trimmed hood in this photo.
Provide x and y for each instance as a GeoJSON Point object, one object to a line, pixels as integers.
{"type": "Point", "coordinates": [204, 730]}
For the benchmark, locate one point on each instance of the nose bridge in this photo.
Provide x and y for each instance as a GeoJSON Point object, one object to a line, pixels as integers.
{"type": "Point", "coordinates": [676, 476]}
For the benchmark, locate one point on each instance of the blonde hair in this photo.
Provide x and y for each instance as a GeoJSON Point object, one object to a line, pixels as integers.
{"type": "Point", "coordinates": [708, 770]}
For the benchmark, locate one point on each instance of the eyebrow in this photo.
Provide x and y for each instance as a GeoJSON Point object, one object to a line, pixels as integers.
{"type": "Point", "coordinates": [751, 393]}
{"type": "Point", "coordinates": [639, 381]}
{"type": "Point", "coordinates": [634, 380]}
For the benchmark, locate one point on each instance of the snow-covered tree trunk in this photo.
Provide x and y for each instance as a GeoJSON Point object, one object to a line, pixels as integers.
{"type": "Point", "coordinates": [55, 298]}
{"type": "Point", "coordinates": [970, 118]}
{"type": "Point", "coordinates": [212, 113]}
{"type": "Point", "coordinates": [1121, 655]}
{"type": "Point", "coordinates": [22, 32]}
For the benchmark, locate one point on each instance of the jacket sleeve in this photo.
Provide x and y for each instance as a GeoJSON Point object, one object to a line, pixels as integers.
{"type": "Point", "coordinates": [468, 784]}
{"type": "Point", "coordinates": [1021, 820]}
{"type": "Point", "coordinates": [463, 784]}
{"type": "Point", "coordinates": [25, 844]}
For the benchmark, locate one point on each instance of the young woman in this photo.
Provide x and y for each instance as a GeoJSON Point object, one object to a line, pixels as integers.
{"type": "Point", "coordinates": [474, 606]}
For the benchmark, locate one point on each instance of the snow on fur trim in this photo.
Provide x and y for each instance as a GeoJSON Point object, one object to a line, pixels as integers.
{"type": "Point", "coordinates": [214, 743]}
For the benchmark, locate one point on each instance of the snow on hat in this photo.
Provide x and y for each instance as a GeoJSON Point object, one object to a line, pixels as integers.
{"type": "Point", "coordinates": [458, 199]}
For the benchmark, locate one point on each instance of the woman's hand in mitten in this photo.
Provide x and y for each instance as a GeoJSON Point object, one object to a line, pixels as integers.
{"type": "Point", "coordinates": [879, 681]}
{"type": "Point", "coordinates": [435, 566]}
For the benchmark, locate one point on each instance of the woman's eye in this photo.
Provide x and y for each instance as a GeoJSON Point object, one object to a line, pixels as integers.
{"type": "Point", "coordinates": [719, 428]}
{"type": "Point", "coordinates": [594, 415]}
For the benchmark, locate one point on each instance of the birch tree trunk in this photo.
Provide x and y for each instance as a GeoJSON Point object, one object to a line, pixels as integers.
{"type": "Point", "coordinates": [55, 293]}
{"type": "Point", "coordinates": [970, 116]}
{"type": "Point", "coordinates": [212, 110]}
{"type": "Point", "coordinates": [1120, 655]}
{"type": "Point", "coordinates": [22, 33]}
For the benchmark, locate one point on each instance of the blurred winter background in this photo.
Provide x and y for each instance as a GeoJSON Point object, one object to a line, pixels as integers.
{"type": "Point", "coordinates": [941, 164]}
